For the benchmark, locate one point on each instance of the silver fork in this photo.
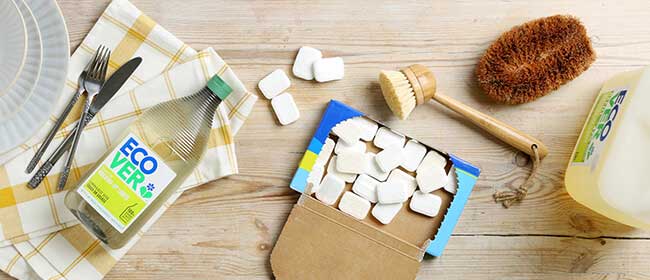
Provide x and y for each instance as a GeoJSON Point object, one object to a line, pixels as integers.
{"type": "Point", "coordinates": [62, 117]}
{"type": "Point", "coordinates": [93, 82]}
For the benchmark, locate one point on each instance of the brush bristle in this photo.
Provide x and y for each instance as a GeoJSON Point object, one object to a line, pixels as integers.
{"type": "Point", "coordinates": [397, 92]}
{"type": "Point", "coordinates": [535, 58]}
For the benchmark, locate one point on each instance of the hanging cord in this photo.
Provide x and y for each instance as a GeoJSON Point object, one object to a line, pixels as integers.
{"type": "Point", "coordinates": [507, 198]}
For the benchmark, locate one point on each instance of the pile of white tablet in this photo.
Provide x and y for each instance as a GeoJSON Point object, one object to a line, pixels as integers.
{"type": "Point", "coordinates": [381, 182]}
{"type": "Point", "coordinates": [309, 65]}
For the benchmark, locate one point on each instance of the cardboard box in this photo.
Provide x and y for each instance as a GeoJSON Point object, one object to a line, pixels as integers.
{"type": "Point", "coordinates": [321, 242]}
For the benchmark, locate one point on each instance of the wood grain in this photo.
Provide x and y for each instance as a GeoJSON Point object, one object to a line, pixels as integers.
{"type": "Point", "coordinates": [226, 229]}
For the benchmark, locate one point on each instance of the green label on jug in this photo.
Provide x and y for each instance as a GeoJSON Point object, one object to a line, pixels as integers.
{"type": "Point", "coordinates": [599, 125]}
{"type": "Point", "coordinates": [126, 182]}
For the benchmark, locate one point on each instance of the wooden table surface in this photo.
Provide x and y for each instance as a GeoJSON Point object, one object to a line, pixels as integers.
{"type": "Point", "coordinates": [226, 229]}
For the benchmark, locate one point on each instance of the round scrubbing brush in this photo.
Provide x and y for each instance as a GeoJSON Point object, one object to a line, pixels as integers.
{"type": "Point", "coordinates": [535, 58]}
{"type": "Point", "coordinates": [414, 85]}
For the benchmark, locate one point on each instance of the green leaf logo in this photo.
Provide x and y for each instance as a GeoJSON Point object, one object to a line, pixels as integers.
{"type": "Point", "coordinates": [144, 193]}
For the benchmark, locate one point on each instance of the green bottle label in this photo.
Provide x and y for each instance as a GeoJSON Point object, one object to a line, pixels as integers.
{"type": "Point", "coordinates": [599, 126]}
{"type": "Point", "coordinates": [126, 182]}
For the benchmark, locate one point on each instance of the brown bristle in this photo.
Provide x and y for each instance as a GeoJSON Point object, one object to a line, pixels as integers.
{"type": "Point", "coordinates": [535, 58]}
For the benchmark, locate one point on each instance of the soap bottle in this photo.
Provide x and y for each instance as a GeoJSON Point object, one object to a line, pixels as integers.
{"type": "Point", "coordinates": [610, 165]}
{"type": "Point", "coordinates": [148, 163]}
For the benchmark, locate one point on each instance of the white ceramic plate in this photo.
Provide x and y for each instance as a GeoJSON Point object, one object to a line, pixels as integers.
{"type": "Point", "coordinates": [35, 111]}
{"type": "Point", "coordinates": [21, 90]}
{"type": "Point", "coordinates": [13, 44]}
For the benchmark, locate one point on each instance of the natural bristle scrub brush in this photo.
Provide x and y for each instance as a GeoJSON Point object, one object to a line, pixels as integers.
{"type": "Point", "coordinates": [415, 85]}
{"type": "Point", "coordinates": [534, 58]}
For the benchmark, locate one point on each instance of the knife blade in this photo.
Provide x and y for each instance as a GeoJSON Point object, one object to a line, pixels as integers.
{"type": "Point", "coordinates": [108, 90]}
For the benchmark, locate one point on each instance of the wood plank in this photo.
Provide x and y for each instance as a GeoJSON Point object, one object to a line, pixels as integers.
{"type": "Point", "coordinates": [226, 229]}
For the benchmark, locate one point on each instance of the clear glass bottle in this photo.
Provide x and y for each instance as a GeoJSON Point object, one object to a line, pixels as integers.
{"type": "Point", "coordinates": [155, 155]}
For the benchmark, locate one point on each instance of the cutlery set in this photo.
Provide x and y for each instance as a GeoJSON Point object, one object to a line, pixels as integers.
{"type": "Point", "coordinates": [92, 81]}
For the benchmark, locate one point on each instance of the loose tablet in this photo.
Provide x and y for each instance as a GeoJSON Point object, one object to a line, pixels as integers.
{"type": "Point", "coordinates": [330, 189]}
{"type": "Point", "coordinates": [343, 147]}
{"type": "Point", "coordinates": [354, 205]}
{"type": "Point", "coordinates": [432, 159]}
{"type": "Point", "coordinates": [389, 158]}
{"type": "Point", "coordinates": [274, 83]}
{"type": "Point", "coordinates": [329, 69]}
{"type": "Point", "coordinates": [304, 63]}
{"type": "Point", "coordinates": [425, 203]}
{"type": "Point", "coordinates": [347, 131]}
{"type": "Point", "coordinates": [351, 162]}
{"type": "Point", "coordinates": [413, 153]}
{"type": "Point", "coordinates": [366, 187]}
{"type": "Point", "coordinates": [409, 181]}
{"type": "Point", "coordinates": [386, 138]}
{"type": "Point", "coordinates": [373, 169]}
{"type": "Point", "coordinates": [285, 108]}
{"type": "Point", "coordinates": [384, 213]}
{"type": "Point", "coordinates": [367, 128]}
{"type": "Point", "coordinates": [392, 192]}
{"type": "Point", "coordinates": [332, 169]}
{"type": "Point", "coordinates": [431, 179]}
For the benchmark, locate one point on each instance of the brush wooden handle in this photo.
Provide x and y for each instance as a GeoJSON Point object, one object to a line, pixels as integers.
{"type": "Point", "coordinates": [499, 129]}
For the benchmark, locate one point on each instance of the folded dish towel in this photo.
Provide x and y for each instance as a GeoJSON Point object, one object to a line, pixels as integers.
{"type": "Point", "coordinates": [39, 238]}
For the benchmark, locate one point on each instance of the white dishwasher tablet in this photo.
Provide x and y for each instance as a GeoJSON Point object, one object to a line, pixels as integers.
{"type": "Point", "coordinates": [386, 138]}
{"type": "Point", "coordinates": [431, 179]}
{"type": "Point", "coordinates": [384, 213]}
{"type": "Point", "coordinates": [351, 162]}
{"type": "Point", "coordinates": [399, 175]}
{"type": "Point", "coordinates": [304, 63]}
{"type": "Point", "coordinates": [366, 187]}
{"type": "Point", "coordinates": [285, 108]}
{"type": "Point", "coordinates": [367, 128]}
{"type": "Point", "coordinates": [392, 192]}
{"type": "Point", "coordinates": [325, 152]}
{"type": "Point", "coordinates": [373, 169]}
{"type": "Point", "coordinates": [354, 205]}
{"type": "Point", "coordinates": [432, 159]}
{"type": "Point", "coordinates": [347, 131]}
{"type": "Point", "coordinates": [274, 83]}
{"type": "Point", "coordinates": [389, 158]}
{"type": "Point", "coordinates": [344, 147]}
{"type": "Point", "coordinates": [330, 189]}
{"type": "Point", "coordinates": [425, 203]}
{"type": "Point", "coordinates": [332, 169]}
{"type": "Point", "coordinates": [413, 154]}
{"type": "Point", "coordinates": [329, 69]}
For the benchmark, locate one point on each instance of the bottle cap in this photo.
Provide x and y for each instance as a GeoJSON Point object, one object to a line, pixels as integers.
{"type": "Point", "coordinates": [219, 87]}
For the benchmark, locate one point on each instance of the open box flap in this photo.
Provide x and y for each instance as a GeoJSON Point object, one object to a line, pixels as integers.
{"type": "Point", "coordinates": [320, 242]}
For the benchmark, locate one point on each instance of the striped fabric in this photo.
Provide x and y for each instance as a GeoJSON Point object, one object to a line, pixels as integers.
{"type": "Point", "coordinates": [39, 238]}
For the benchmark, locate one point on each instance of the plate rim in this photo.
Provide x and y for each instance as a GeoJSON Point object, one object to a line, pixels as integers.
{"type": "Point", "coordinates": [39, 66]}
{"type": "Point", "coordinates": [56, 86]}
{"type": "Point", "coordinates": [24, 53]}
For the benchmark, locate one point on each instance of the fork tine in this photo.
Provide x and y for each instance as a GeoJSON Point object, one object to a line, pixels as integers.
{"type": "Point", "coordinates": [91, 61]}
{"type": "Point", "coordinates": [100, 63]}
{"type": "Point", "coordinates": [105, 66]}
{"type": "Point", "coordinates": [95, 62]}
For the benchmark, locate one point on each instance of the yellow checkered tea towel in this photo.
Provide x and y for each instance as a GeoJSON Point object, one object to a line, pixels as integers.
{"type": "Point", "coordinates": [39, 238]}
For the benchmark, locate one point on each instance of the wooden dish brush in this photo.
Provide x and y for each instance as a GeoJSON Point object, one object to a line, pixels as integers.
{"type": "Point", "coordinates": [415, 85]}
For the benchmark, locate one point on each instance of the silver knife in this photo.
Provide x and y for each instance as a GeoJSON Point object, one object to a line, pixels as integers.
{"type": "Point", "coordinates": [111, 86]}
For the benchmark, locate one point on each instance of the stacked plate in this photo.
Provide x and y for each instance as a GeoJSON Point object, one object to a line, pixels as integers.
{"type": "Point", "coordinates": [34, 52]}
